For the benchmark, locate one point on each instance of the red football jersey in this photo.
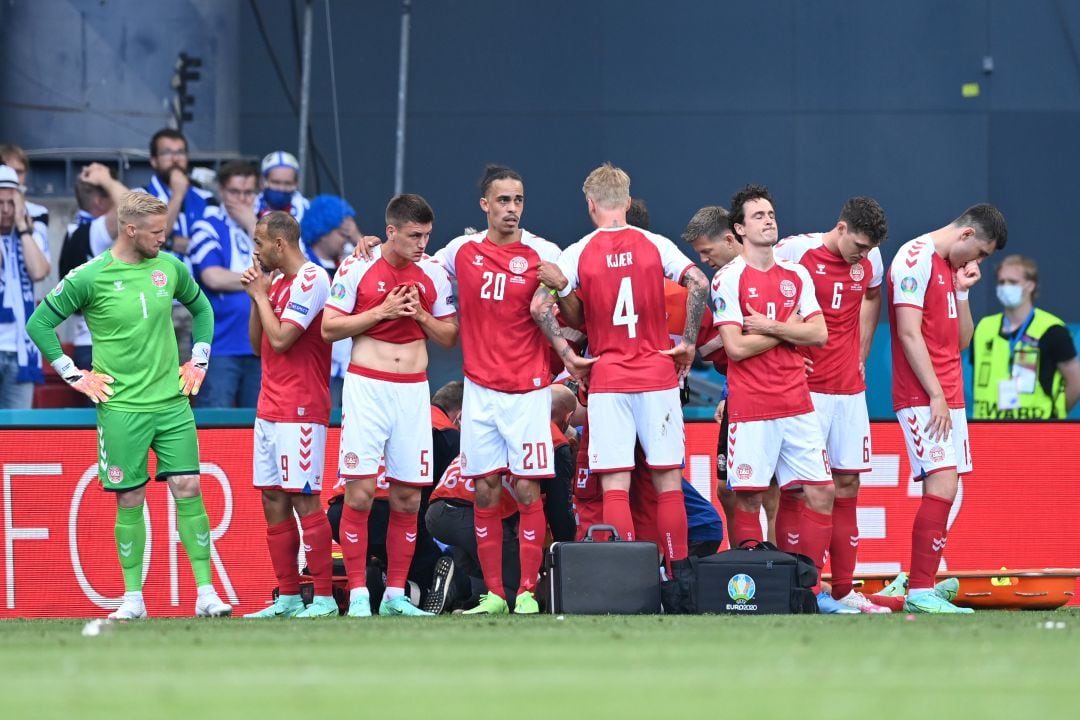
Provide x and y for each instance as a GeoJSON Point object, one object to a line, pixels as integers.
{"type": "Point", "coordinates": [463, 490]}
{"type": "Point", "coordinates": [840, 288]}
{"type": "Point", "coordinates": [360, 285]}
{"type": "Point", "coordinates": [296, 383]}
{"type": "Point", "coordinates": [619, 275]}
{"type": "Point", "coordinates": [709, 343]}
{"type": "Point", "coordinates": [920, 278]}
{"type": "Point", "coordinates": [502, 348]}
{"type": "Point", "coordinates": [772, 384]}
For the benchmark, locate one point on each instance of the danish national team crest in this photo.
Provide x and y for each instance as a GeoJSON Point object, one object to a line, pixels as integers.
{"type": "Point", "coordinates": [857, 272]}
{"type": "Point", "coordinates": [116, 474]}
{"type": "Point", "coordinates": [159, 278]}
{"type": "Point", "coordinates": [744, 471]}
{"type": "Point", "coordinates": [519, 265]}
{"type": "Point", "coordinates": [937, 454]}
{"type": "Point", "coordinates": [351, 461]}
{"type": "Point", "coordinates": [787, 288]}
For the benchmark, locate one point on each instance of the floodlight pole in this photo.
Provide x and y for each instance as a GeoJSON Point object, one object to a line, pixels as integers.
{"type": "Point", "coordinates": [403, 89]}
{"type": "Point", "coordinates": [305, 96]}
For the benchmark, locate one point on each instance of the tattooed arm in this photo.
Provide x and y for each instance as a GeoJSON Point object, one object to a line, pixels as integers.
{"type": "Point", "coordinates": [543, 312]}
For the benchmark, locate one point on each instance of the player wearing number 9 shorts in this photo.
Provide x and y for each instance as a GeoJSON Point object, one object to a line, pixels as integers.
{"type": "Point", "coordinates": [617, 273]}
{"type": "Point", "coordinates": [390, 305]}
{"type": "Point", "coordinates": [846, 269]}
{"type": "Point", "coordinates": [293, 411]}
{"type": "Point", "coordinates": [507, 401]}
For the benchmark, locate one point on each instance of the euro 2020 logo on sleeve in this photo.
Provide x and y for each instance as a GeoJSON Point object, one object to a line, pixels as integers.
{"type": "Point", "coordinates": [741, 588]}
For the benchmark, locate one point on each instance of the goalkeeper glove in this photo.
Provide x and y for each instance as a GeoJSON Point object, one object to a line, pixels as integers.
{"type": "Point", "coordinates": [193, 371]}
{"type": "Point", "coordinates": [91, 384]}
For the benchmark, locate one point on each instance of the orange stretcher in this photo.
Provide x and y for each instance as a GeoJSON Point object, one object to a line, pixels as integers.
{"type": "Point", "coordinates": [1004, 589]}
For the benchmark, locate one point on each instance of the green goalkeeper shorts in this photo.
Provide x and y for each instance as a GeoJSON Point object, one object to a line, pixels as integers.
{"type": "Point", "coordinates": [125, 439]}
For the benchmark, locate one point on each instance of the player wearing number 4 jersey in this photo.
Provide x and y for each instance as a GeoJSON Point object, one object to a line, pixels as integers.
{"type": "Point", "coordinates": [845, 267]}
{"type": "Point", "coordinates": [390, 306]}
{"type": "Point", "coordinates": [293, 412]}
{"type": "Point", "coordinates": [618, 275]}
{"type": "Point", "coordinates": [507, 401]}
{"type": "Point", "coordinates": [764, 308]}
{"type": "Point", "coordinates": [126, 296]}
{"type": "Point", "coordinates": [931, 325]}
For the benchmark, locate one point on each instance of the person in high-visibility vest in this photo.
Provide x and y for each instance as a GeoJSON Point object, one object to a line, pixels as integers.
{"type": "Point", "coordinates": [1024, 358]}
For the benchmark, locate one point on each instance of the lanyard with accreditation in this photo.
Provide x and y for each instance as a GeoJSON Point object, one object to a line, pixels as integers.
{"type": "Point", "coordinates": [1023, 368]}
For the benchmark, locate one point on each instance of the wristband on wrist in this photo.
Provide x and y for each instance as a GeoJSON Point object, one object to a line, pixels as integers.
{"type": "Point", "coordinates": [961, 294]}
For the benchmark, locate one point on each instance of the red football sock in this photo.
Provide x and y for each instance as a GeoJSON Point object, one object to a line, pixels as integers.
{"type": "Point", "coordinates": [894, 603]}
{"type": "Point", "coordinates": [317, 539]}
{"type": "Point", "coordinates": [928, 534]}
{"type": "Point", "coordinates": [747, 527]}
{"type": "Point", "coordinates": [815, 531]}
{"type": "Point", "coordinates": [400, 547]}
{"type": "Point", "coordinates": [787, 522]}
{"type": "Point", "coordinates": [532, 526]}
{"type": "Point", "coordinates": [283, 539]}
{"type": "Point", "coordinates": [617, 513]}
{"type": "Point", "coordinates": [844, 546]}
{"type": "Point", "coordinates": [354, 539]}
{"type": "Point", "coordinates": [672, 526]}
{"type": "Point", "coordinates": [489, 541]}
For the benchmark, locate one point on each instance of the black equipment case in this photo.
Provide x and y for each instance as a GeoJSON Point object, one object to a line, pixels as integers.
{"type": "Point", "coordinates": [616, 577]}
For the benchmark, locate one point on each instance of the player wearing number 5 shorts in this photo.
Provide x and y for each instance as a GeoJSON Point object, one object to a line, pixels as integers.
{"type": "Point", "coordinates": [126, 296]}
{"type": "Point", "coordinates": [507, 402]}
{"type": "Point", "coordinates": [617, 273]}
{"type": "Point", "coordinates": [389, 305]}
{"type": "Point", "coordinates": [845, 267]}
{"type": "Point", "coordinates": [764, 309]}
{"type": "Point", "coordinates": [293, 411]}
{"type": "Point", "coordinates": [931, 325]}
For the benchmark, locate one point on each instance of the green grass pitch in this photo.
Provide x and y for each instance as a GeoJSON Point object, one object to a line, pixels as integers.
{"type": "Point", "coordinates": [989, 665]}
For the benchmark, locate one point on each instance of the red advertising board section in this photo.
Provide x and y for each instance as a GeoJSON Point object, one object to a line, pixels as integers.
{"type": "Point", "coordinates": [1019, 509]}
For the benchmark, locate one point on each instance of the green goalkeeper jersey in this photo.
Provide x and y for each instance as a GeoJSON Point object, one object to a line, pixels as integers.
{"type": "Point", "coordinates": [128, 309]}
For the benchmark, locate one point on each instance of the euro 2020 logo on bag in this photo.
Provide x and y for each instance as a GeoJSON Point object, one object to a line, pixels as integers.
{"type": "Point", "coordinates": [741, 588]}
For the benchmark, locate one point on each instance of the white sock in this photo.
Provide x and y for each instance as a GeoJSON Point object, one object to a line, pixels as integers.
{"type": "Point", "coordinates": [393, 592]}
{"type": "Point", "coordinates": [204, 590]}
{"type": "Point", "coordinates": [358, 593]}
{"type": "Point", "coordinates": [918, 591]}
{"type": "Point", "coordinates": [134, 596]}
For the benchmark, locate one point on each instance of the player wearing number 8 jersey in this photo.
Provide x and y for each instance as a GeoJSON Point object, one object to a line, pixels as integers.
{"type": "Point", "coordinates": [764, 308]}
{"type": "Point", "coordinates": [507, 401]}
{"type": "Point", "coordinates": [390, 306]}
{"type": "Point", "coordinates": [931, 325]}
{"type": "Point", "coordinates": [845, 266]}
{"type": "Point", "coordinates": [126, 296]}
{"type": "Point", "coordinates": [617, 273]}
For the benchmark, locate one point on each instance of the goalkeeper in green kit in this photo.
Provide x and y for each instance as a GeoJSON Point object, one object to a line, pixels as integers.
{"type": "Point", "coordinates": [126, 296]}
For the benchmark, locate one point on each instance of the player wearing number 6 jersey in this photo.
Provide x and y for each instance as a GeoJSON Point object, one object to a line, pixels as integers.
{"type": "Point", "coordinates": [284, 328]}
{"type": "Point", "coordinates": [764, 308]}
{"type": "Point", "coordinates": [126, 296]}
{"type": "Point", "coordinates": [618, 274]}
{"type": "Point", "coordinates": [845, 267]}
{"type": "Point", "coordinates": [931, 325]}
{"type": "Point", "coordinates": [390, 305]}
{"type": "Point", "coordinates": [507, 402]}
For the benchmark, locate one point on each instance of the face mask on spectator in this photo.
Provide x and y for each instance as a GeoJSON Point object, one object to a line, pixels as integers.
{"type": "Point", "coordinates": [277, 199]}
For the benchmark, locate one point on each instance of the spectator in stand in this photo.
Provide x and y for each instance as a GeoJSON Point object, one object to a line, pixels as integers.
{"type": "Point", "coordinates": [221, 250]}
{"type": "Point", "coordinates": [186, 203]}
{"type": "Point", "coordinates": [92, 233]}
{"type": "Point", "coordinates": [24, 259]}
{"type": "Point", "coordinates": [15, 157]}
{"type": "Point", "coordinates": [330, 232]}
{"type": "Point", "coordinates": [281, 177]}
{"type": "Point", "coordinates": [1024, 358]}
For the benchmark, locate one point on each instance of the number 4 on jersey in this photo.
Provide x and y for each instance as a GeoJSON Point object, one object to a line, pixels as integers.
{"type": "Point", "coordinates": [624, 308]}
